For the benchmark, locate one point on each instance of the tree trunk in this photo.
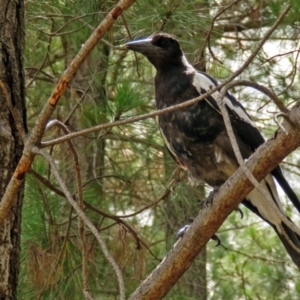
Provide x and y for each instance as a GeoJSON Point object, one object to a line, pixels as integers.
{"type": "Point", "coordinates": [12, 124]}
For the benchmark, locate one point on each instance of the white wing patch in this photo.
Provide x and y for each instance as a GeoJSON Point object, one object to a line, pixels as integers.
{"type": "Point", "coordinates": [200, 81]}
{"type": "Point", "coordinates": [263, 206]}
{"type": "Point", "coordinates": [238, 110]}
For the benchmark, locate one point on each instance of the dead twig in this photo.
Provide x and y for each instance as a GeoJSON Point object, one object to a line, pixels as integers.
{"type": "Point", "coordinates": [80, 202]}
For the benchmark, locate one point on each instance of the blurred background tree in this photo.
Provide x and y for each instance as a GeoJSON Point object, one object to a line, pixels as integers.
{"type": "Point", "coordinates": [126, 170]}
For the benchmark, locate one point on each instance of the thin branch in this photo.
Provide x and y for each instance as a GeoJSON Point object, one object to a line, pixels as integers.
{"type": "Point", "coordinates": [279, 55]}
{"type": "Point", "coordinates": [175, 179]}
{"type": "Point", "coordinates": [46, 182]}
{"type": "Point", "coordinates": [207, 40]}
{"type": "Point", "coordinates": [50, 34]}
{"type": "Point", "coordinates": [82, 215]}
{"type": "Point", "coordinates": [60, 255]}
{"type": "Point", "coordinates": [116, 218]}
{"type": "Point", "coordinates": [262, 89]}
{"type": "Point", "coordinates": [82, 98]}
{"type": "Point", "coordinates": [129, 228]}
{"type": "Point", "coordinates": [134, 139]}
{"type": "Point", "coordinates": [285, 116]}
{"type": "Point", "coordinates": [39, 297]}
{"type": "Point", "coordinates": [107, 176]}
{"type": "Point", "coordinates": [253, 256]}
{"type": "Point", "coordinates": [122, 48]}
{"type": "Point", "coordinates": [80, 202]}
{"type": "Point", "coordinates": [38, 70]}
{"type": "Point", "coordinates": [293, 73]}
{"type": "Point", "coordinates": [44, 60]}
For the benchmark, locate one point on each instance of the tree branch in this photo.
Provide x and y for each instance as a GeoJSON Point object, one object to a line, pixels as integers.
{"type": "Point", "coordinates": [80, 203]}
{"type": "Point", "coordinates": [262, 162]}
{"type": "Point", "coordinates": [252, 179]}
{"type": "Point", "coordinates": [262, 89]}
{"type": "Point", "coordinates": [38, 130]}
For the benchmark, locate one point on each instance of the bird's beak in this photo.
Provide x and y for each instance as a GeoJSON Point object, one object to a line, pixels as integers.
{"type": "Point", "coordinates": [143, 46]}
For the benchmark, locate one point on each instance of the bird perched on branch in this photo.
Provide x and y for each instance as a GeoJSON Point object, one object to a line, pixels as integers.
{"type": "Point", "coordinates": [196, 135]}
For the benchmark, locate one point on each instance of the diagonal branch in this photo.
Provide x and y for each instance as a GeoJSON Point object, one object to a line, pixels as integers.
{"type": "Point", "coordinates": [242, 164]}
{"type": "Point", "coordinates": [38, 130]}
{"type": "Point", "coordinates": [262, 162]}
{"type": "Point", "coordinates": [80, 202]}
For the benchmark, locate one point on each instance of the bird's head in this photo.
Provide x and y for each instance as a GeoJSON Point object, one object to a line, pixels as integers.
{"type": "Point", "coordinates": [161, 50]}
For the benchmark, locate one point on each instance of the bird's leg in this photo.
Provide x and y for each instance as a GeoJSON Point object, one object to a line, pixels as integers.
{"type": "Point", "coordinates": [209, 200]}
{"type": "Point", "coordinates": [183, 230]}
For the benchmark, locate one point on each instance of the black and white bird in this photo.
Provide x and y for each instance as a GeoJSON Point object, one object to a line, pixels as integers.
{"type": "Point", "coordinates": [196, 135]}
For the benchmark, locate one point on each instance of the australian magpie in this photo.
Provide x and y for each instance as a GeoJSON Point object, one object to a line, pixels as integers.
{"type": "Point", "coordinates": [196, 136]}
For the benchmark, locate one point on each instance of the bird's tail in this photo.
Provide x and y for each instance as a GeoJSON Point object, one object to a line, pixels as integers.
{"type": "Point", "coordinates": [257, 203]}
{"type": "Point", "coordinates": [290, 240]}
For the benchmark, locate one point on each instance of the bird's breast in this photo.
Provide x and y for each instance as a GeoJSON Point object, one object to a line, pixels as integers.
{"type": "Point", "coordinates": [207, 161]}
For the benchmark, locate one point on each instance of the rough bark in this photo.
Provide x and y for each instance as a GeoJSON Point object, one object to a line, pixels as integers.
{"type": "Point", "coordinates": [12, 123]}
{"type": "Point", "coordinates": [178, 260]}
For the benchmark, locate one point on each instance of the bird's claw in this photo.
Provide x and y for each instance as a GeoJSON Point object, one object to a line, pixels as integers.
{"type": "Point", "coordinates": [206, 203]}
{"type": "Point", "coordinates": [240, 211]}
{"type": "Point", "coordinates": [183, 230]}
{"type": "Point", "coordinates": [209, 200]}
{"type": "Point", "coordinates": [217, 239]}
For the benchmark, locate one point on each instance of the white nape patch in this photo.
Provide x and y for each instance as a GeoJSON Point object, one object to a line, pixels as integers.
{"type": "Point", "coordinates": [200, 81]}
{"type": "Point", "coordinates": [265, 209]}
{"type": "Point", "coordinates": [190, 68]}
